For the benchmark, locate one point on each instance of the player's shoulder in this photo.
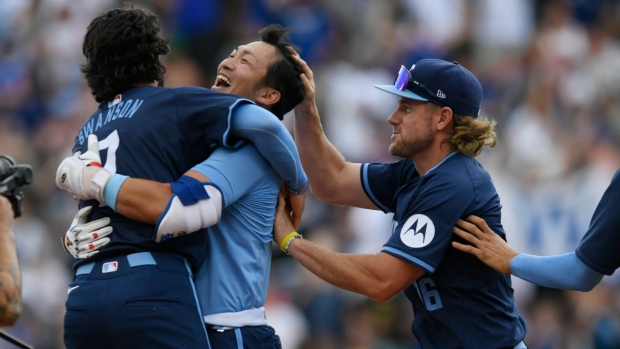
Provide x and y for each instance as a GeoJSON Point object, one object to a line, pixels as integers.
{"type": "Point", "coordinates": [197, 90]}
{"type": "Point", "coordinates": [405, 166]}
{"type": "Point", "coordinates": [196, 93]}
{"type": "Point", "coordinates": [190, 89]}
{"type": "Point", "coordinates": [460, 172]}
{"type": "Point", "coordinates": [181, 91]}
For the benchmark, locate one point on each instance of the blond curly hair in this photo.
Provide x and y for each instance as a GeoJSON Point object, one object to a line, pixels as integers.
{"type": "Point", "coordinates": [470, 135]}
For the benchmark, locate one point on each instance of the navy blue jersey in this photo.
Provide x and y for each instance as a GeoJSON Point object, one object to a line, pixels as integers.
{"type": "Point", "coordinates": [459, 302]}
{"type": "Point", "coordinates": [599, 246]}
{"type": "Point", "coordinates": [155, 133]}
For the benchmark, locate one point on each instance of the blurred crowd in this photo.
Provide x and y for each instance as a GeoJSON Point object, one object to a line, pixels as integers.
{"type": "Point", "coordinates": [550, 70]}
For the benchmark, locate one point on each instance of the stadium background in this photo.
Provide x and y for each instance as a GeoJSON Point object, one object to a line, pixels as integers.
{"type": "Point", "coordinates": [551, 76]}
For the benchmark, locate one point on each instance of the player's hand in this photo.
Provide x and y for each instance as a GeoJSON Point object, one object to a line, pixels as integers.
{"type": "Point", "coordinates": [307, 82]}
{"type": "Point", "coordinates": [282, 225]}
{"type": "Point", "coordinates": [296, 204]}
{"type": "Point", "coordinates": [84, 239]}
{"type": "Point", "coordinates": [82, 174]}
{"type": "Point", "coordinates": [489, 247]}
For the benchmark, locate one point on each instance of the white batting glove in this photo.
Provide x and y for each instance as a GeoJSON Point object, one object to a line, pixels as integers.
{"type": "Point", "coordinates": [82, 174]}
{"type": "Point", "coordinates": [84, 239]}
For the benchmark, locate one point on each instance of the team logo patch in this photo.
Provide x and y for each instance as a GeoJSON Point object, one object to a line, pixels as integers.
{"type": "Point", "coordinates": [109, 267]}
{"type": "Point", "coordinates": [418, 231]}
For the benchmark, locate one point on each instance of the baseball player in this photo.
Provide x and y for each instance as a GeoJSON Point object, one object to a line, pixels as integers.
{"type": "Point", "coordinates": [458, 301]}
{"type": "Point", "coordinates": [135, 292]}
{"type": "Point", "coordinates": [239, 190]}
{"type": "Point", "coordinates": [597, 254]}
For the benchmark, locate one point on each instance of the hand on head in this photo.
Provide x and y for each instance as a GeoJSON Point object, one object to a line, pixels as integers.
{"type": "Point", "coordinates": [307, 81]}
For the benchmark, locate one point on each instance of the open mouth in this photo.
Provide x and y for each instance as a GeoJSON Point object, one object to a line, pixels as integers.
{"type": "Point", "coordinates": [222, 81]}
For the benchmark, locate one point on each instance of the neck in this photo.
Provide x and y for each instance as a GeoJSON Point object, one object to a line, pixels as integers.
{"type": "Point", "coordinates": [426, 160]}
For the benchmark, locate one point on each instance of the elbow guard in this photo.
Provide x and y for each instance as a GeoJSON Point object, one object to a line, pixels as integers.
{"type": "Point", "coordinates": [193, 206]}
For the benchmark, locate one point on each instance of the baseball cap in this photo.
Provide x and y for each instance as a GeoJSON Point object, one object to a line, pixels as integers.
{"type": "Point", "coordinates": [440, 82]}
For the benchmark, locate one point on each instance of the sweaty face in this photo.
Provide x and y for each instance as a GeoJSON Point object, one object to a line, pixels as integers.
{"type": "Point", "coordinates": [412, 128]}
{"type": "Point", "coordinates": [242, 71]}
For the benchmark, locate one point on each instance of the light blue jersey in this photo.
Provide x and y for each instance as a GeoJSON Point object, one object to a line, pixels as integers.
{"type": "Point", "coordinates": [232, 282]}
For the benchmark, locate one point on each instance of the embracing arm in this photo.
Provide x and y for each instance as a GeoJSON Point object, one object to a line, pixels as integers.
{"type": "Point", "coordinates": [145, 200]}
{"type": "Point", "coordinates": [276, 145]}
{"type": "Point", "coordinates": [273, 142]}
{"type": "Point", "coordinates": [10, 275]}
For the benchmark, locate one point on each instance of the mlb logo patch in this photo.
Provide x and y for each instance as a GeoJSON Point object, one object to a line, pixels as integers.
{"type": "Point", "coordinates": [115, 101]}
{"type": "Point", "coordinates": [109, 267]}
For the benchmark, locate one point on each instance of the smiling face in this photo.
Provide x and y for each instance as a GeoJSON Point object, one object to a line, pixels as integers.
{"type": "Point", "coordinates": [243, 71]}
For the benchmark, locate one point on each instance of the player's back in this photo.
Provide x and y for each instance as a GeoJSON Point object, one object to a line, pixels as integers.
{"type": "Point", "coordinates": [235, 274]}
{"type": "Point", "coordinates": [155, 133]}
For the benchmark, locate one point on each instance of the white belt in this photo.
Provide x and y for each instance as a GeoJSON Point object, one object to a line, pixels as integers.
{"type": "Point", "coordinates": [248, 317]}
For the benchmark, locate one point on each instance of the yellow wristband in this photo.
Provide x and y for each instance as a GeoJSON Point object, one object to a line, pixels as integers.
{"type": "Point", "coordinates": [286, 239]}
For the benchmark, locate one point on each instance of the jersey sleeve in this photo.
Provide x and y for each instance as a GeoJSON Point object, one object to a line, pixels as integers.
{"type": "Point", "coordinates": [234, 171]}
{"type": "Point", "coordinates": [381, 181]}
{"type": "Point", "coordinates": [272, 140]}
{"type": "Point", "coordinates": [596, 248]}
{"type": "Point", "coordinates": [424, 232]}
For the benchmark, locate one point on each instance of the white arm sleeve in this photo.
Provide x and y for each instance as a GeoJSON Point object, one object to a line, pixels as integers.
{"type": "Point", "coordinates": [178, 220]}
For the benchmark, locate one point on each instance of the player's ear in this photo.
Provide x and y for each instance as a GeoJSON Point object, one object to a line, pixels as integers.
{"type": "Point", "coordinates": [444, 119]}
{"type": "Point", "coordinates": [268, 96]}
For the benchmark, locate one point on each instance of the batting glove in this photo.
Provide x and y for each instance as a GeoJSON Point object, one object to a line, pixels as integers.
{"type": "Point", "coordinates": [82, 174]}
{"type": "Point", "coordinates": [84, 239]}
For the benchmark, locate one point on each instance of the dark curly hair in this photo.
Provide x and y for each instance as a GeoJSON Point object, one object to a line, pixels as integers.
{"type": "Point", "coordinates": [282, 74]}
{"type": "Point", "coordinates": [122, 49]}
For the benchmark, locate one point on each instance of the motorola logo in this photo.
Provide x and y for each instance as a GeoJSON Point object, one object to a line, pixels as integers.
{"type": "Point", "coordinates": [418, 231]}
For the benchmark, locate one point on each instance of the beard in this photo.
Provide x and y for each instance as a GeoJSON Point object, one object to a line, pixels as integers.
{"type": "Point", "coordinates": [407, 149]}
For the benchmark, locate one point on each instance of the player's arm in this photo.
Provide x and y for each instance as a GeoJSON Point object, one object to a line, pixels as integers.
{"type": "Point", "coordinates": [191, 203]}
{"type": "Point", "coordinates": [186, 205]}
{"type": "Point", "coordinates": [334, 180]}
{"type": "Point", "coordinates": [379, 277]}
{"type": "Point", "coordinates": [272, 140]}
{"type": "Point", "coordinates": [219, 181]}
{"type": "Point", "coordinates": [10, 275]}
{"type": "Point", "coordinates": [564, 271]}
{"type": "Point", "coordinates": [144, 200]}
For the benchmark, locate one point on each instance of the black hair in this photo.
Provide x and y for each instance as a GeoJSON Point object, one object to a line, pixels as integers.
{"type": "Point", "coordinates": [282, 74]}
{"type": "Point", "coordinates": [122, 49]}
